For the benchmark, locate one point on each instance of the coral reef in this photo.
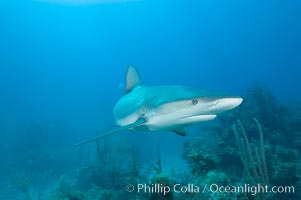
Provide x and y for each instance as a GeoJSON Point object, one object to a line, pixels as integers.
{"type": "Point", "coordinates": [257, 143]}
{"type": "Point", "coordinates": [264, 150]}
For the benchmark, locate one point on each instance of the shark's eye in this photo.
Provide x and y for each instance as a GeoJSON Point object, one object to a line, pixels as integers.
{"type": "Point", "coordinates": [194, 101]}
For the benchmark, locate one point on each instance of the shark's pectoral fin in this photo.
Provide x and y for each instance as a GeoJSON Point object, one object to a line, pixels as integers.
{"type": "Point", "coordinates": [180, 131]}
{"type": "Point", "coordinates": [114, 131]}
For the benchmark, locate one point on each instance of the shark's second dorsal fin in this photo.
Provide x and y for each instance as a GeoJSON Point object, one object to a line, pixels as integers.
{"type": "Point", "coordinates": [132, 78]}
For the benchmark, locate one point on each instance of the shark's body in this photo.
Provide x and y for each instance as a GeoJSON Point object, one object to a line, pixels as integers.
{"type": "Point", "coordinates": [162, 108]}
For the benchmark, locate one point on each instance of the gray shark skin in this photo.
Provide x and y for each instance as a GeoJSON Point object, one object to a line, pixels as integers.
{"type": "Point", "coordinates": [165, 108]}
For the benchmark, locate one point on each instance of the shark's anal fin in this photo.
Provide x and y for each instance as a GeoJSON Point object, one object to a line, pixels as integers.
{"type": "Point", "coordinates": [132, 78]}
{"type": "Point", "coordinates": [114, 131]}
{"type": "Point", "coordinates": [180, 131]}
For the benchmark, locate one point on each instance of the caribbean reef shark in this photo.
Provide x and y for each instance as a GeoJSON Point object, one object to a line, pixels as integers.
{"type": "Point", "coordinates": [165, 108]}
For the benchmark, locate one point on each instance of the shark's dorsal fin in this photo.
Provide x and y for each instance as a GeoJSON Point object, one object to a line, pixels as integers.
{"type": "Point", "coordinates": [180, 131]}
{"type": "Point", "coordinates": [132, 78]}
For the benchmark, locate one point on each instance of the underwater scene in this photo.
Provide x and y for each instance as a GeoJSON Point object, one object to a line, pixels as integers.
{"type": "Point", "coordinates": [150, 100]}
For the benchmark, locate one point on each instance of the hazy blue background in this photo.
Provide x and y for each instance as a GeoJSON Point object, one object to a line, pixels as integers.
{"type": "Point", "coordinates": [63, 63]}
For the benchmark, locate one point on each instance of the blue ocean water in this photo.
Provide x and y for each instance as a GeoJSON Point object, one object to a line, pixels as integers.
{"type": "Point", "coordinates": [63, 64]}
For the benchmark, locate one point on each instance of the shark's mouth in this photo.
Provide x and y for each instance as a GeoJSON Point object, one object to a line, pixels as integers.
{"type": "Point", "coordinates": [198, 118]}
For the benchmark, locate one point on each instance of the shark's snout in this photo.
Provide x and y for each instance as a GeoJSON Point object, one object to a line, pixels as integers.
{"type": "Point", "coordinates": [229, 103]}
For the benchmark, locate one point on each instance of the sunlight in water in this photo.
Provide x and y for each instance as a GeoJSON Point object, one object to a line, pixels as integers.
{"type": "Point", "coordinates": [86, 1]}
